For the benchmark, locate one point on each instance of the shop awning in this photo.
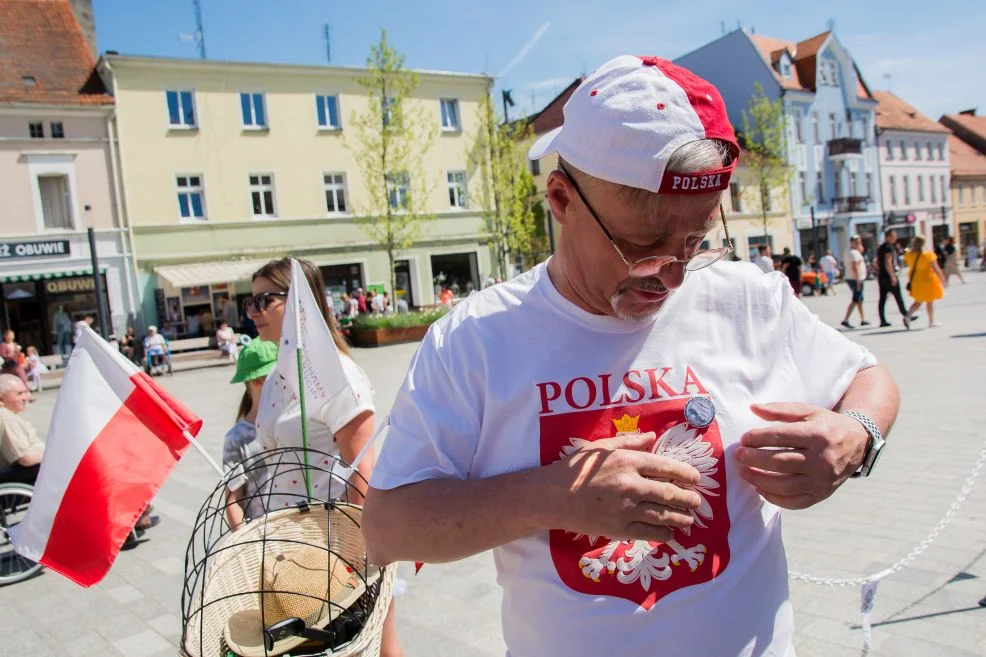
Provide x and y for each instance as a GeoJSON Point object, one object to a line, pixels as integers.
{"type": "Point", "coordinates": [40, 276]}
{"type": "Point", "coordinates": [206, 273]}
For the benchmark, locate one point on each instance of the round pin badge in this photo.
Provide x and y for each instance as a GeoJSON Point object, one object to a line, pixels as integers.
{"type": "Point", "coordinates": [700, 411]}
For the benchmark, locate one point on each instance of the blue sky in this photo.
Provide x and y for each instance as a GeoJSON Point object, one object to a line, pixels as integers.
{"type": "Point", "coordinates": [933, 54]}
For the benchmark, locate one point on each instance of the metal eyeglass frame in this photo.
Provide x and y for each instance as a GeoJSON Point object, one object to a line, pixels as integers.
{"type": "Point", "coordinates": [657, 262]}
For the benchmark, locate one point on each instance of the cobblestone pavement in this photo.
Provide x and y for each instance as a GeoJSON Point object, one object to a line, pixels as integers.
{"type": "Point", "coordinates": [928, 609]}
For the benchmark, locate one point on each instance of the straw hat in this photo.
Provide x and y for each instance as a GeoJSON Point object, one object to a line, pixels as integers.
{"type": "Point", "coordinates": [306, 563]}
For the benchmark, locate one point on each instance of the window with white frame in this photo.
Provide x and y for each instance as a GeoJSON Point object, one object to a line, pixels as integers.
{"type": "Point", "coordinates": [36, 130]}
{"type": "Point", "coordinates": [961, 188]}
{"type": "Point", "coordinates": [833, 125]}
{"type": "Point", "coordinates": [397, 189]}
{"type": "Point", "coordinates": [335, 192]}
{"type": "Point", "coordinates": [906, 183]}
{"type": "Point", "coordinates": [819, 187]}
{"type": "Point", "coordinates": [932, 188]}
{"type": "Point", "coordinates": [893, 190]}
{"type": "Point", "coordinates": [865, 123]}
{"type": "Point", "coordinates": [944, 197]}
{"type": "Point", "coordinates": [181, 108]}
{"type": "Point", "coordinates": [803, 186]}
{"type": "Point", "coordinates": [920, 184]}
{"type": "Point", "coordinates": [262, 195]}
{"type": "Point", "coordinates": [931, 151]}
{"type": "Point", "coordinates": [457, 189]}
{"type": "Point", "coordinates": [798, 136]}
{"type": "Point", "coordinates": [450, 114]}
{"type": "Point", "coordinates": [327, 111]}
{"type": "Point", "coordinates": [869, 186]}
{"type": "Point", "coordinates": [903, 150]}
{"type": "Point", "coordinates": [785, 67]}
{"type": "Point", "coordinates": [254, 111]}
{"type": "Point", "coordinates": [56, 202]}
{"type": "Point", "coordinates": [890, 150]}
{"type": "Point", "coordinates": [853, 184]}
{"type": "Point", "coordinates": [814, 127]}
{"type": "Point", "coordinates": [387, 110]}
{"type": "Point", "coordinates": [191, 196]}
{"type": "Point", "coordinates": [837, 179]}
{"type": "Point", "coordinates": [535, 167]}
{"type": "Point", "coordinates": [57, 130]}
{"type": "Point", "coordinates": [941, 152]}
{"type": "Point", "coordinates": [735, 197]}
{"type": "Point", "coordinates": [917, 150]}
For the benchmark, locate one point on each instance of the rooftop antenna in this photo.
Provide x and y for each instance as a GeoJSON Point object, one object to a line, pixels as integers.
{"type": "Point", "coordinates": [830, 24]}
{"type": "Point", "coordinates": [327, 33]}
{"type": "Point", "coordinates": [199, 35]}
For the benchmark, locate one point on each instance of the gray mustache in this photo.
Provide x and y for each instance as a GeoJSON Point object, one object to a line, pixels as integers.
{"type": "Point", "coordinates": [646, 284]}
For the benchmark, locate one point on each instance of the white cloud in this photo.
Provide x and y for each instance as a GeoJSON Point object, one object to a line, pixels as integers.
{"type": "Point", "coordinates": [526, 48]}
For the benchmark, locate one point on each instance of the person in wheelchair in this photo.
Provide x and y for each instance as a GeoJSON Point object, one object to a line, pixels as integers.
{"type": "Point", "coordinates": [21, 449]}
{"type": "Point", "coordinates": [155, 346]}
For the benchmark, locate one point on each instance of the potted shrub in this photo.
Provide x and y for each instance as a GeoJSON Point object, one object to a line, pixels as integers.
{"type": "Point", "coordinates": [380, 330]}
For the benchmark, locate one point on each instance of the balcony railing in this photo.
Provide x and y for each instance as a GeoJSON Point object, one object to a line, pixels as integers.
{"type": "Point", "coordinates": [844, 146]}
{"type": "Point", "coordinates": [852, 204]}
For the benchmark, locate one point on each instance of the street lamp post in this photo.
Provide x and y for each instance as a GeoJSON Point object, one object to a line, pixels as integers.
{"type": "Point", "coordinates": [97, 279]}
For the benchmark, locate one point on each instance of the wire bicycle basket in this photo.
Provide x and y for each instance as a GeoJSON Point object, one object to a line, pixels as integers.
{"type": "Point", "coordinates": [293, 578]}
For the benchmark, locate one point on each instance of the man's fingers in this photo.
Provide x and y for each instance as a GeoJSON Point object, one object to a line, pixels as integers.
{"type": "Point", "coordinates": [783, 411]}
{"type": "Point", "coordinates": [657, 514]}
{"type": "Point", "coordinates": [776, 435]}
{"type": "Point", "coordinates": [640, 442]}
{"type": "Point", "coordinates": [662, 467]}
{"type": "Point", "coordinates": [783, 461]}
{"type": "Point", "coordinates": [776, 484]}
{"type": "Point", "coordinates": [667, 494]}
{"type": "Point", "coordinates": [641, 531]}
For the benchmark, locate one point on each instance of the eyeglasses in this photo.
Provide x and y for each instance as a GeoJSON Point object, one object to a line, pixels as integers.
{"type": "Point", "coordinates": [259, 302]}
{"type": "Point", "coordinates": [652, 265]}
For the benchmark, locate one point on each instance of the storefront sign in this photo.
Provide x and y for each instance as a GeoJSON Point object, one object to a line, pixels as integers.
{"type": "Point", "coordinates": [70, 285]}
{"type": "Point", "coordinates": [35, 249]}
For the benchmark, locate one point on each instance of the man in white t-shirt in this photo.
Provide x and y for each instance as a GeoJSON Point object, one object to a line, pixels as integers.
{"type": "Point", "coordinates": [627, 457]}
{"type": "Point", "coordinates": [855, 277]}
{"type": "Point", "coordinates": [831, 268]}
{"type": "Point", "coordinates": [762, 259]}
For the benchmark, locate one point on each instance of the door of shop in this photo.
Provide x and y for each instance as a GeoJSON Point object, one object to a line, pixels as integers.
{"type": "Point", "coordinates": [404, 282]}
{"type": "Point", "coordinates": [458, 271]}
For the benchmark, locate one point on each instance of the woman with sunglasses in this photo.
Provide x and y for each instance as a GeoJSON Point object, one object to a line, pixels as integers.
{"type": "Point", "coordinates": [279, 418]}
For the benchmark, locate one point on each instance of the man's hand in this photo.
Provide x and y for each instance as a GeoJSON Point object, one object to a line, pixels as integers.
{"type": "Point", "coordinates": [804, 457]}
{"type": "Point", "coordinates": [616, 488]}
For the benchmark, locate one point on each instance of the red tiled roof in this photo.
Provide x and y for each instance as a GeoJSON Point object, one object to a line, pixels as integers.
{"type": "Point", "coordinates": [803, 55]}
{"type": "Point", "coordinates": [41, 39]}
{"type": "Point", "coordinates": [965, 160]}
{"type": "Point", "coordinates": [893, 113]}
{"type": "Point", "coordinates": [771, 49]}
{"type": "Point", "coordinates": [552, 115]}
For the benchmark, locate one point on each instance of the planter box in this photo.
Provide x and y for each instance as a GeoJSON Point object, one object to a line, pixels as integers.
{"type": "Point", "coordinates": [384, 336]}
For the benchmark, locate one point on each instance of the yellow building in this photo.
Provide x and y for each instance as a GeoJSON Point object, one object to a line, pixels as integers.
{"type": "Point", "coordinates": [968, 193]}
{"type": "Point", "coordinates": [741, 202]}
{"type": "Point", "coordinates": [225, 165]}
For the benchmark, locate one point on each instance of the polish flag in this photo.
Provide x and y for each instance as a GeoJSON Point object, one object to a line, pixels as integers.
{"type": "Point", "coordinates": [115, 437]}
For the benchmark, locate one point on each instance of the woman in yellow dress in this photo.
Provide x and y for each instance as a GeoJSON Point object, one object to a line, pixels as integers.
{"type": "Point", "coordinates": [926, 280]}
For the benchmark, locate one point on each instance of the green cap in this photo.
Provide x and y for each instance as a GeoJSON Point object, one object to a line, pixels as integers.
{"type": "Point", "coordinates": [256, 360]}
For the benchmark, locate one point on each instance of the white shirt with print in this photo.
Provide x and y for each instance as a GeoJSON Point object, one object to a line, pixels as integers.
{"type": "Point", "coordinates": [279, 425]}
{"type": "Point", "coordinates": [482, 398]}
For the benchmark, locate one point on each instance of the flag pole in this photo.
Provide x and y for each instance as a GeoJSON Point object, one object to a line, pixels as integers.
{"type": "Point", "coordinates": [197, 445]}
{"type": "Point", "coordinates": [304, 421]}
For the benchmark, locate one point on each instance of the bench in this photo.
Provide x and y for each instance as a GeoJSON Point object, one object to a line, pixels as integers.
{"type": "Point", "coordinates": [196, 349]}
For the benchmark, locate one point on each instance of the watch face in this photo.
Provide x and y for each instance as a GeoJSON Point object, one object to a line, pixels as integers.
{"type": "Point", "coordinates": [874, 456]}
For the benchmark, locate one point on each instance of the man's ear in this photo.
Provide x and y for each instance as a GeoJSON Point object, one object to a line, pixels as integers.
{"type": "Point", "coordinates": [561, 196]}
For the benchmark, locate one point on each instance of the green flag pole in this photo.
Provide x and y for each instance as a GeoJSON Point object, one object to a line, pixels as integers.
{"type": "Point", "coordinates": [304, 422]}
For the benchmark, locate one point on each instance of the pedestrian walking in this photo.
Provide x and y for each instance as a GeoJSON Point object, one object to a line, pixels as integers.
{"type": "Point", "coordinates": [886, 262]}
{"type": "Point", "coordinates": [240, 443]}
{"type": "Point", "coordinates": [831, 268]}
{"type": "Point", "coordinates": [971, 255]}
{"type": "Point", "coordinates": [951, 261]}
{"type": "Point", "coordinates": [628, 488]}
{"type": "Point", "coordinates": [279, 419]}
{"type": "Point", "coordinates": [791, 266]}
{"type": "Point", "coordinates": [855, 277]}
{"type": "Point", "coordinates": [926, 281]}
{"type": "Point", "coordinates": [761, 258]}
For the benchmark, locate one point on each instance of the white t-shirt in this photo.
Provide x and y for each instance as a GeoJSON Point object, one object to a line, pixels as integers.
{"type": "Point", "coordinates": [279, 425]}
{"type": "Point", "coordinates": [829, 263]}
{"type": "Point", "coordinates": [764, 263]}
{"type": "Point", "coordinates": [855, 265]}
{"type": "Point", "coordinates": [482, 398]}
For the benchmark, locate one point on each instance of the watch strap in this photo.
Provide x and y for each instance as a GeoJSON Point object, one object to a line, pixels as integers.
{"type": "Point", "coordinates": [875, 443]}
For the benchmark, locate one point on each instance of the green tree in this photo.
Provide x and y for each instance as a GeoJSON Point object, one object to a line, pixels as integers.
{"type": "Point", "coordinates": [392, 137]}
{"type": "Point", "coordinates": [511, 209]}
{"type": "Point", "coordinates": [765, 138]}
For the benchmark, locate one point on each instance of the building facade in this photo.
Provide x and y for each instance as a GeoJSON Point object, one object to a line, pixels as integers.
{"type": "Point", "coordinates": [58, 162]}
{"type": "Point", "coordinates": [914, 170]}
{"type": "Point", "coordinates": [968, 151]}
{"type": "Point", "coordinates": [834, 186]}
{"type": "Point", "coordinates": [741, 201]}
{"type": "Point", "coordinates": [227, 165]}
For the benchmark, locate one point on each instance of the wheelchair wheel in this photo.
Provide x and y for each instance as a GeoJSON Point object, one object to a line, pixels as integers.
{"type": "Point", "coordinates": [14, 499]}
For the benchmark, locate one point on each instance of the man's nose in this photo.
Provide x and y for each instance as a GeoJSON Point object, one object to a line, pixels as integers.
{"type": "Point", "coordinates": [672, 275]}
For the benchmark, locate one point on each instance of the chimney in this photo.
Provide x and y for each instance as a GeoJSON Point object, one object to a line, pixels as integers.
{"type": "Point", "coordinates": [969, 112]}
{"type": "Point", "coordinates": [83, 14]}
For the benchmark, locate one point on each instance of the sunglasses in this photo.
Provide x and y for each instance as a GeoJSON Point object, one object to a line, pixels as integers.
{"type": "Point", "coordinates": [259, 302]}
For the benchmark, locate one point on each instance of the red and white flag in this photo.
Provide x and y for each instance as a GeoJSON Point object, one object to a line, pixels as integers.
{"type": "Point", "coordinates": [115, 437]}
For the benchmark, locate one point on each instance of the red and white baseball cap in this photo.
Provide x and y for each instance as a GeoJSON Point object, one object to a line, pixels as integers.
{"type": "Point", "coordinates": [626, 119]}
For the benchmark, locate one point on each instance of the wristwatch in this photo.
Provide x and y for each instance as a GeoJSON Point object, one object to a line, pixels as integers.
{"type": "Point", "coordinates": [875, 446]}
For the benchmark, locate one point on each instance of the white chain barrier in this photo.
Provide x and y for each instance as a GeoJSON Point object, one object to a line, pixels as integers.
{"type": "Point", "coordinates": [869, 584]}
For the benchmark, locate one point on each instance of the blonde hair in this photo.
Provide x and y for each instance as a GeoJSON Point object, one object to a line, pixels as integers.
{"type": "Point", "coordinates": [278, 272]}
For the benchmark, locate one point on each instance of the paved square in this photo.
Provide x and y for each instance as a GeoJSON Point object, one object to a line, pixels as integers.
{"type": "Point", "coordinates": [928, 609]}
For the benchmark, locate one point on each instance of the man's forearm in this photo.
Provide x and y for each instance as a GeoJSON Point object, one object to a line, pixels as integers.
{"type": "Point", "coordinates": [873, 393]}
{"type": "Point", "coordinates": [442, 520]}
